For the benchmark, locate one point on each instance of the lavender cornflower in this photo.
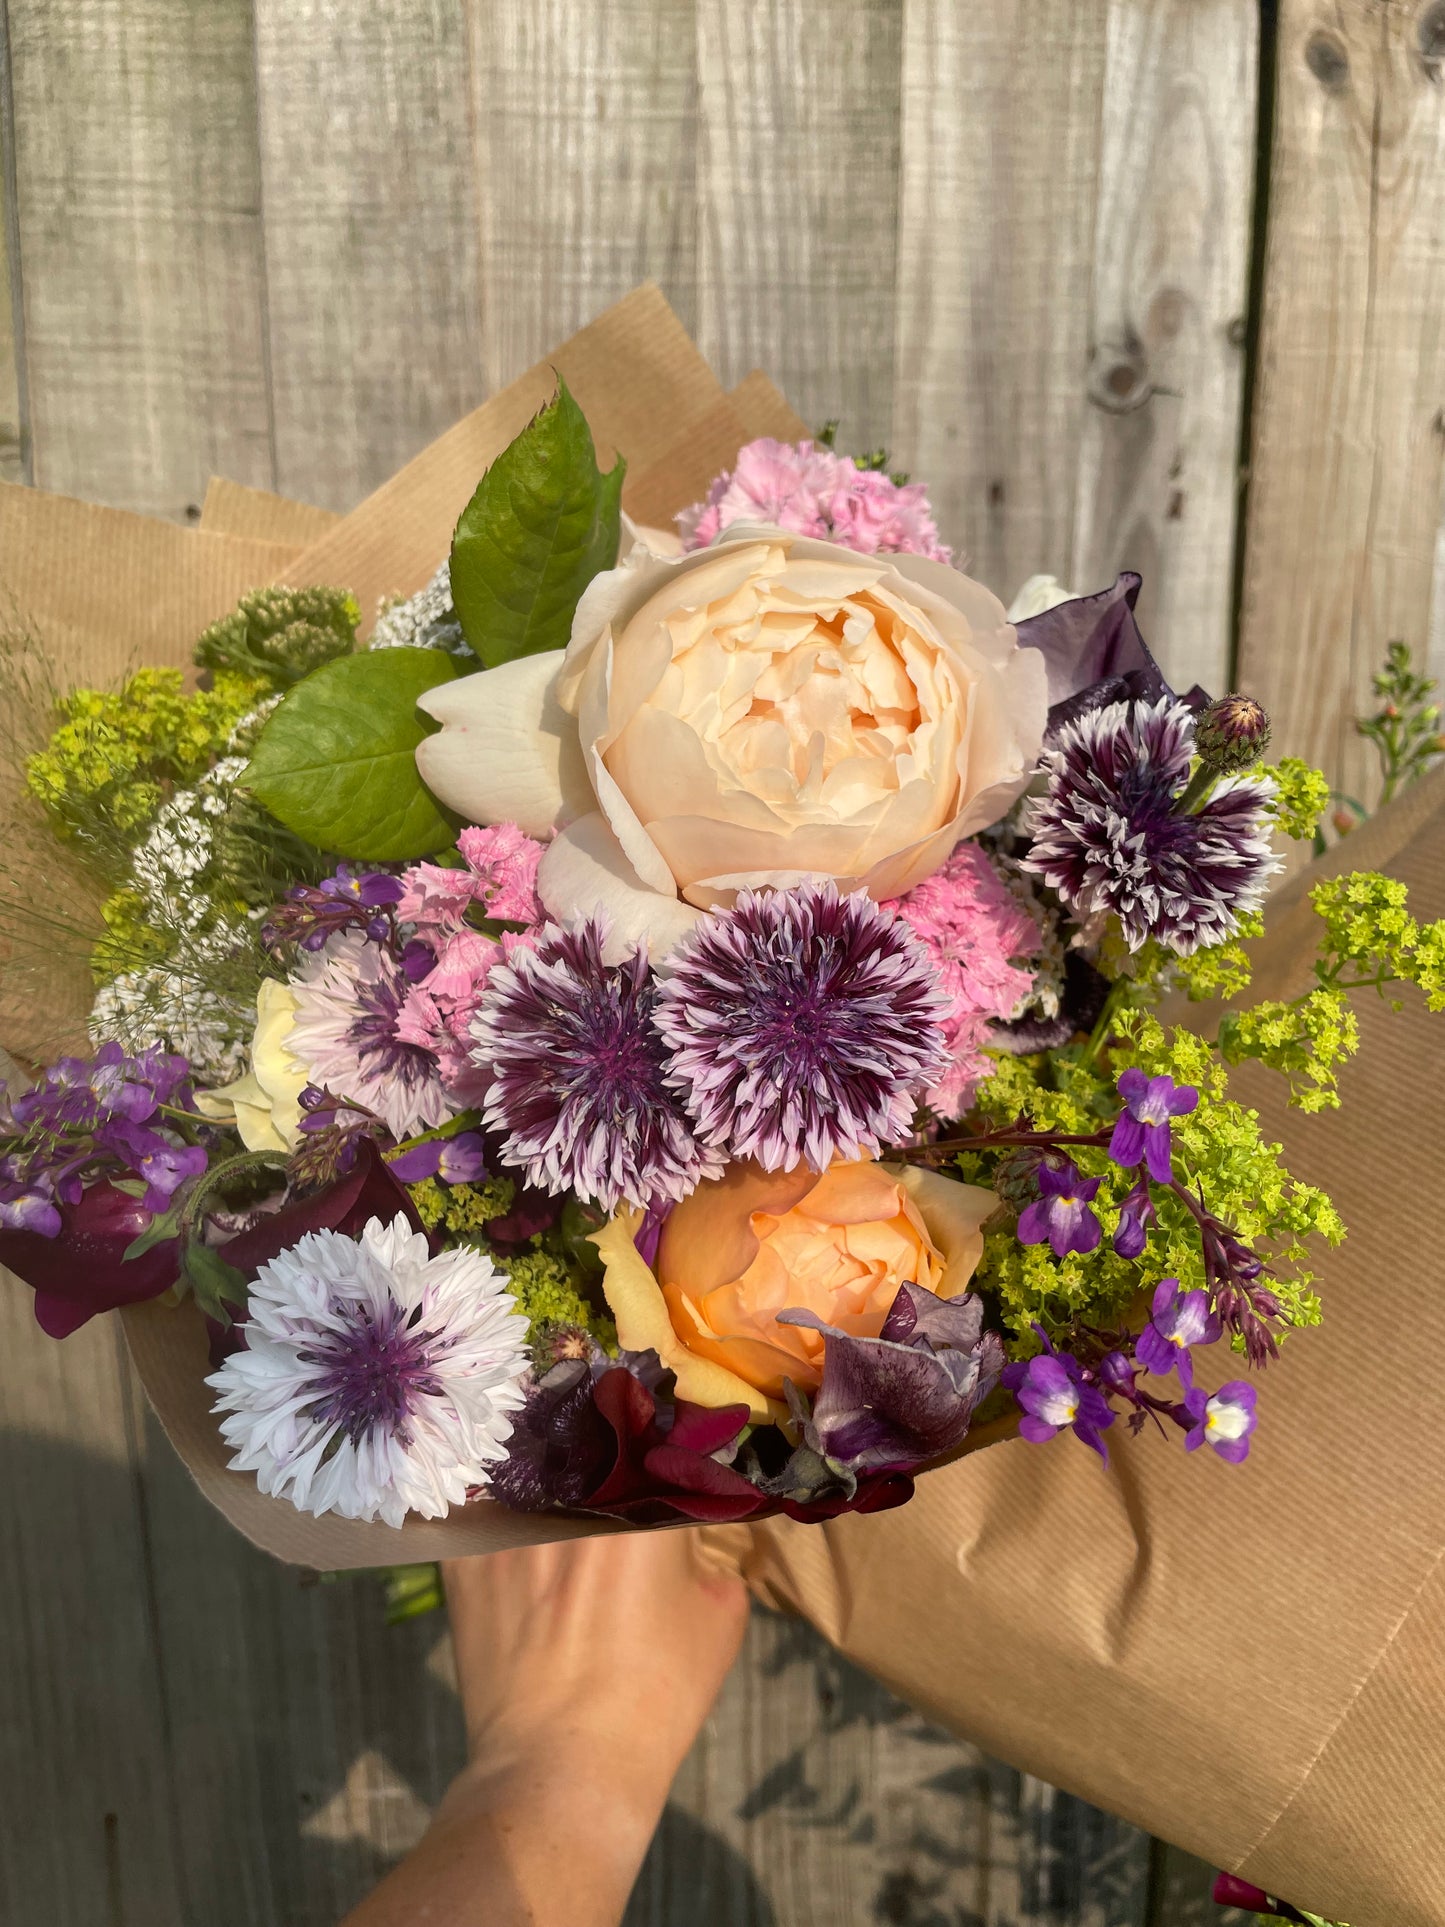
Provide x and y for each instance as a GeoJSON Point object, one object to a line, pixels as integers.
{"type": "Point", "coordinates": [1180, 1319]}
{"type": "Point", "coordinates": [803, 1026]}
{"type": "Point", "coordinates": [1142, 1131]}
{"type": "Point", "coordinates": [1224, 1420]}
{"type": "Point", "coordinates": [1055, 1394]}
{"type": "Point", "coordinates": [1062, 1215]}
{"type": "Point", "coordinates": [1111, 832]}
{"type": "Point", "coordinates": [347, 900]}
{"type": "Point", "coordinates": [578, 1088]}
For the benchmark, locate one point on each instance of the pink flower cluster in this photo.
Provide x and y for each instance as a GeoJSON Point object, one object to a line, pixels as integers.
{"type": "Point", "coordinates": [448, 960]}
{"type": "Point", "coordinates": [812, 491]}
{"type": "Point", "coordinates": [974, 930]}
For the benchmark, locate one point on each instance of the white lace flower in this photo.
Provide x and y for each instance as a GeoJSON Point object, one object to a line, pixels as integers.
{"type": "Point", "coordinates": [375, 1380]}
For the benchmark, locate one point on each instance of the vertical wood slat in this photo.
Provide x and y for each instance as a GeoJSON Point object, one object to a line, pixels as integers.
{"type": "Point", "coordinates": [999, 191]}
{"type": "Point", "coordinates": [798, 174]}
{"type": "Point", "coordinates": [14, 449]}
{"type": "Point", "coordinates": [370, 237]}
{"type": "Point", "coordinates": [1157, 486]}
{"type": "Point", "coordinates": [1348, 432]}
{"type": "Point", "coordinates": [139, 224]}
{"type": "Point", "coordinates": [87, 1752]}
{"type": "Point", "coordinates": [586, 137]}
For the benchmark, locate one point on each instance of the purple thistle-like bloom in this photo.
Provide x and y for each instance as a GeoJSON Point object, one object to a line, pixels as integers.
{"type": "Point", "coordinates": [803, 1026]}
{"type": "Point", "coordinates": [1063, 1214]}
{"type": "Point", "coordinates": [1107, 835]}
{"type": "Point", "coordinates": [1054, 1394]}
{"type": "Point", "coordinates": [578, 1088]}
{"type": "Point", "coordinates": [1180, 1319]}
{"type": "Point", "coordinates": [1142, 1132]}
{"type": "Point", "coordinates": [1224, 1420]}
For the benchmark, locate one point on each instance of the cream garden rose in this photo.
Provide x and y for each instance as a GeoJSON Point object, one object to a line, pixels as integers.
{"type": "Point", "coordinates": [765, 710]}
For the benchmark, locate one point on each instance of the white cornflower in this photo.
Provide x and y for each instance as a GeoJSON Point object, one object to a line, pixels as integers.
{"type": "Point", "coordinates": [375, 1380]}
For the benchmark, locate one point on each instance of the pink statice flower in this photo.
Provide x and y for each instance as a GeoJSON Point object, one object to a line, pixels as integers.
{"type": "Point", "coordinates": [813, 491]}
{"type": "Point", "coordinates": [975, 930]}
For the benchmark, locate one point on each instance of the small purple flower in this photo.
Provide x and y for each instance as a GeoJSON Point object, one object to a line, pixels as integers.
{"type": "Point", "coordinates": [1180, 1319]}
{"type": "Point", "coordinates": [803, 1025]}
{"type": "Point", "coordinates": [1142, 1131]}
{"type": "Point", "coordinates": [164, 1165]}
{"type": "Point", "coordinates": [458, 1160]}
{"type": "Point", "coordinates": [1116, 1374]}
{"type": "Point", "coordinates": [1136, 1215]}
{"type": "Point", "coordinates": [1224, 1420]}
{"type": "Point", "coordinates": [31, 1210]}
{"type": "Point", "coordinates": [347, 900]}
{"type": "Point", "coordinates": [1062, 1216]}
{"type": "Point", "coordinates": [1055, 1395]}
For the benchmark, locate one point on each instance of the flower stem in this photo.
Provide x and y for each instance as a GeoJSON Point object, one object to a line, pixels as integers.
{"type": "Point", "coordinates": [1099, 1035]}
{"type": "Point", "coordinates": [1196, 791]}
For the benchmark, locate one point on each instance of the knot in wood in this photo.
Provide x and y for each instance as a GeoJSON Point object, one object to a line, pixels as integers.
{"type": "Point", "coordinates": [1327, 60]}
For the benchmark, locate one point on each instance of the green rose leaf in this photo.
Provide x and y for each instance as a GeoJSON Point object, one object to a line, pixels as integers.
{"type": "Point", "coordinates": [543, 522]}
{"type": "Point", "coordinates": [336, 762]}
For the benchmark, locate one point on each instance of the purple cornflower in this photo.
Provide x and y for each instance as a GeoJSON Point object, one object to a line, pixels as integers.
{"type": "Point", "coordinates": [1142, 1130]}
{"type": "Point", "coordinates": [1180, 1320]}
{"type": "Point", "coordinates": [578, 1088]}
{"type": "Point", "coordinates": [347, 900]}
{"type": "Point", "coordinates": [1054, 1394]}
{"type": "Point", "coordinates": [1063, 1214]}
{"type": "Point", "coordinates": [457, 1160]}
{"type": "Point", "coordinates": [802, 1025]}
{"type": "Point", "coordinates": [1109, 834]}
{"type": "Point", "coordinates": [1223, 1420]}
{"type": "Point", "coordinates": [1136, 1215]}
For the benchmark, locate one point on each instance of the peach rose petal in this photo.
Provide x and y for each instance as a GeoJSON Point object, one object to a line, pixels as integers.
{"type": "Point", "coordinates": [643, 1324]}
{"type": "Point", "coordinates": [955, 1215]}
{"type": "Point", "coordinates": [507, 752]}
{"type": "Point", "coordinates": [708, 1240]}
{"type": "Point", "coordinates": [584, 872]}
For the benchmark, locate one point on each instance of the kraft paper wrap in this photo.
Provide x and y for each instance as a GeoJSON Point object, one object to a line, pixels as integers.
{"type": "Point", "coordinates": [1249, 1662]}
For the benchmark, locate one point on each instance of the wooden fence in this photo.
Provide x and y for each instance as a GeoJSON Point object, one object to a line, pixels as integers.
{"type": "Point", "coordinates": [1154, 283]}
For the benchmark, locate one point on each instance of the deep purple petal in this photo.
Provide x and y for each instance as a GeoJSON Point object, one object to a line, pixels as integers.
{"type": "Point", "coordinates": [1034, 1223]}
{"type": "Point", "coordinates": [1157, 1154]}
{"type": "Point", "coordinates": [1126, 1146]}
{"type": "Point", "coordinates": [1036, 1429]}
{"type": "Point", "coordinates": [1093, 652]}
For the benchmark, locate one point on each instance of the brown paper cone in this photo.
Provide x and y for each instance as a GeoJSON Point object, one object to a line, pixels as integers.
{"type": "Point", "coordinates": [1249, 1661]}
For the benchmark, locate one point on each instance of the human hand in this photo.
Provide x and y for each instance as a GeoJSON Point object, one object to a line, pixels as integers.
{"type": "Point", "coordinates": [586, 1670]}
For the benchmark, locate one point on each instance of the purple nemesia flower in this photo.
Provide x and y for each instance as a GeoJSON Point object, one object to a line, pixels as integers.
{"type": "Point", "coordinates": [1062, 1215]}
{"type": "Point", "coordinates": [1108, 837]}
{"type": "Point", "coordinates": [1054, 1394]}
{"type": "Point", "coordinates": [1142, 1131]}
{"type": "Point", "coordinates": [1180, 1319]}
{"type": "Point", "coordinates": [803, 1026]}
{"type": "Point", "coordinates": [32, 1210]}
{"type": "Point", "coordinates": [578, 1091]}
{"type": "Point", "coordinates": [1136, 1215]}
{"type": "Point", "coordinates": [163, 1164]}
{"type": "Point", "coordinates": [1223, 1420]}
{"type": "Point", "coordinates": [350, 899]}
{"type": "Point", "coordinates": [459, 1160]}
{"type": "Point", "coordinates": [1116, 1373]}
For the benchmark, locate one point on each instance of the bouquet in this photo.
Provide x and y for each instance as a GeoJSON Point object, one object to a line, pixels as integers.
{"type": "Point", "coordinates": [671, 1026]}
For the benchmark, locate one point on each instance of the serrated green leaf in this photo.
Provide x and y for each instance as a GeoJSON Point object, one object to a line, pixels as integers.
{"type": "Point", "coordinates": [214, 1283]}
{"type": "Point", "coordinates": [336, 762]}
{"type": "Point", "coordinates": [542, 523]}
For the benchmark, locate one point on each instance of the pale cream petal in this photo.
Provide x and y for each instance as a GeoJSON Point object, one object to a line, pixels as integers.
{"type": "Point", "coordinates": [1039, 593]}
{"type": "Point", "coordinates": [955, 1215]}
{"type": "Point", "coordinates": [979, 606]}
{"type": "Point", "coordinates": [643, 1324]}
{"type": "Point", "coordinates": [584, 872]}
{"type": "Point", "coordinates": [641, 535]}
{"type": "Point", "coordinates": [506, 752]}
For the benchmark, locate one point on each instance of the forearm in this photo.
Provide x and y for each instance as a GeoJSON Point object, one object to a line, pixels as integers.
{"type": "Point", "coordinates": [523, 1844]}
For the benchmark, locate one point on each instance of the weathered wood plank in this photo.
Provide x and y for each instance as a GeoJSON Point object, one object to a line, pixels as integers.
{"type": "Point", "coordinates": [139, 228]}
{"type": "Point", "coordinates": [14, 440]}
{"type": "Point", "coordinates": [1157, 486]}
{"type": "Point", "coordinates": [1348, 447]}
{"type": "Point", "coordinates": [87, 1750]}
{"type": "Point", "coordinates": [586, 134]}
{"type": "Point", "coordinates": [999, 190]}
{"type": "Point", "coordinates": [371, 264]}
{"type": "Point", "coordinates": [798, 165]}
